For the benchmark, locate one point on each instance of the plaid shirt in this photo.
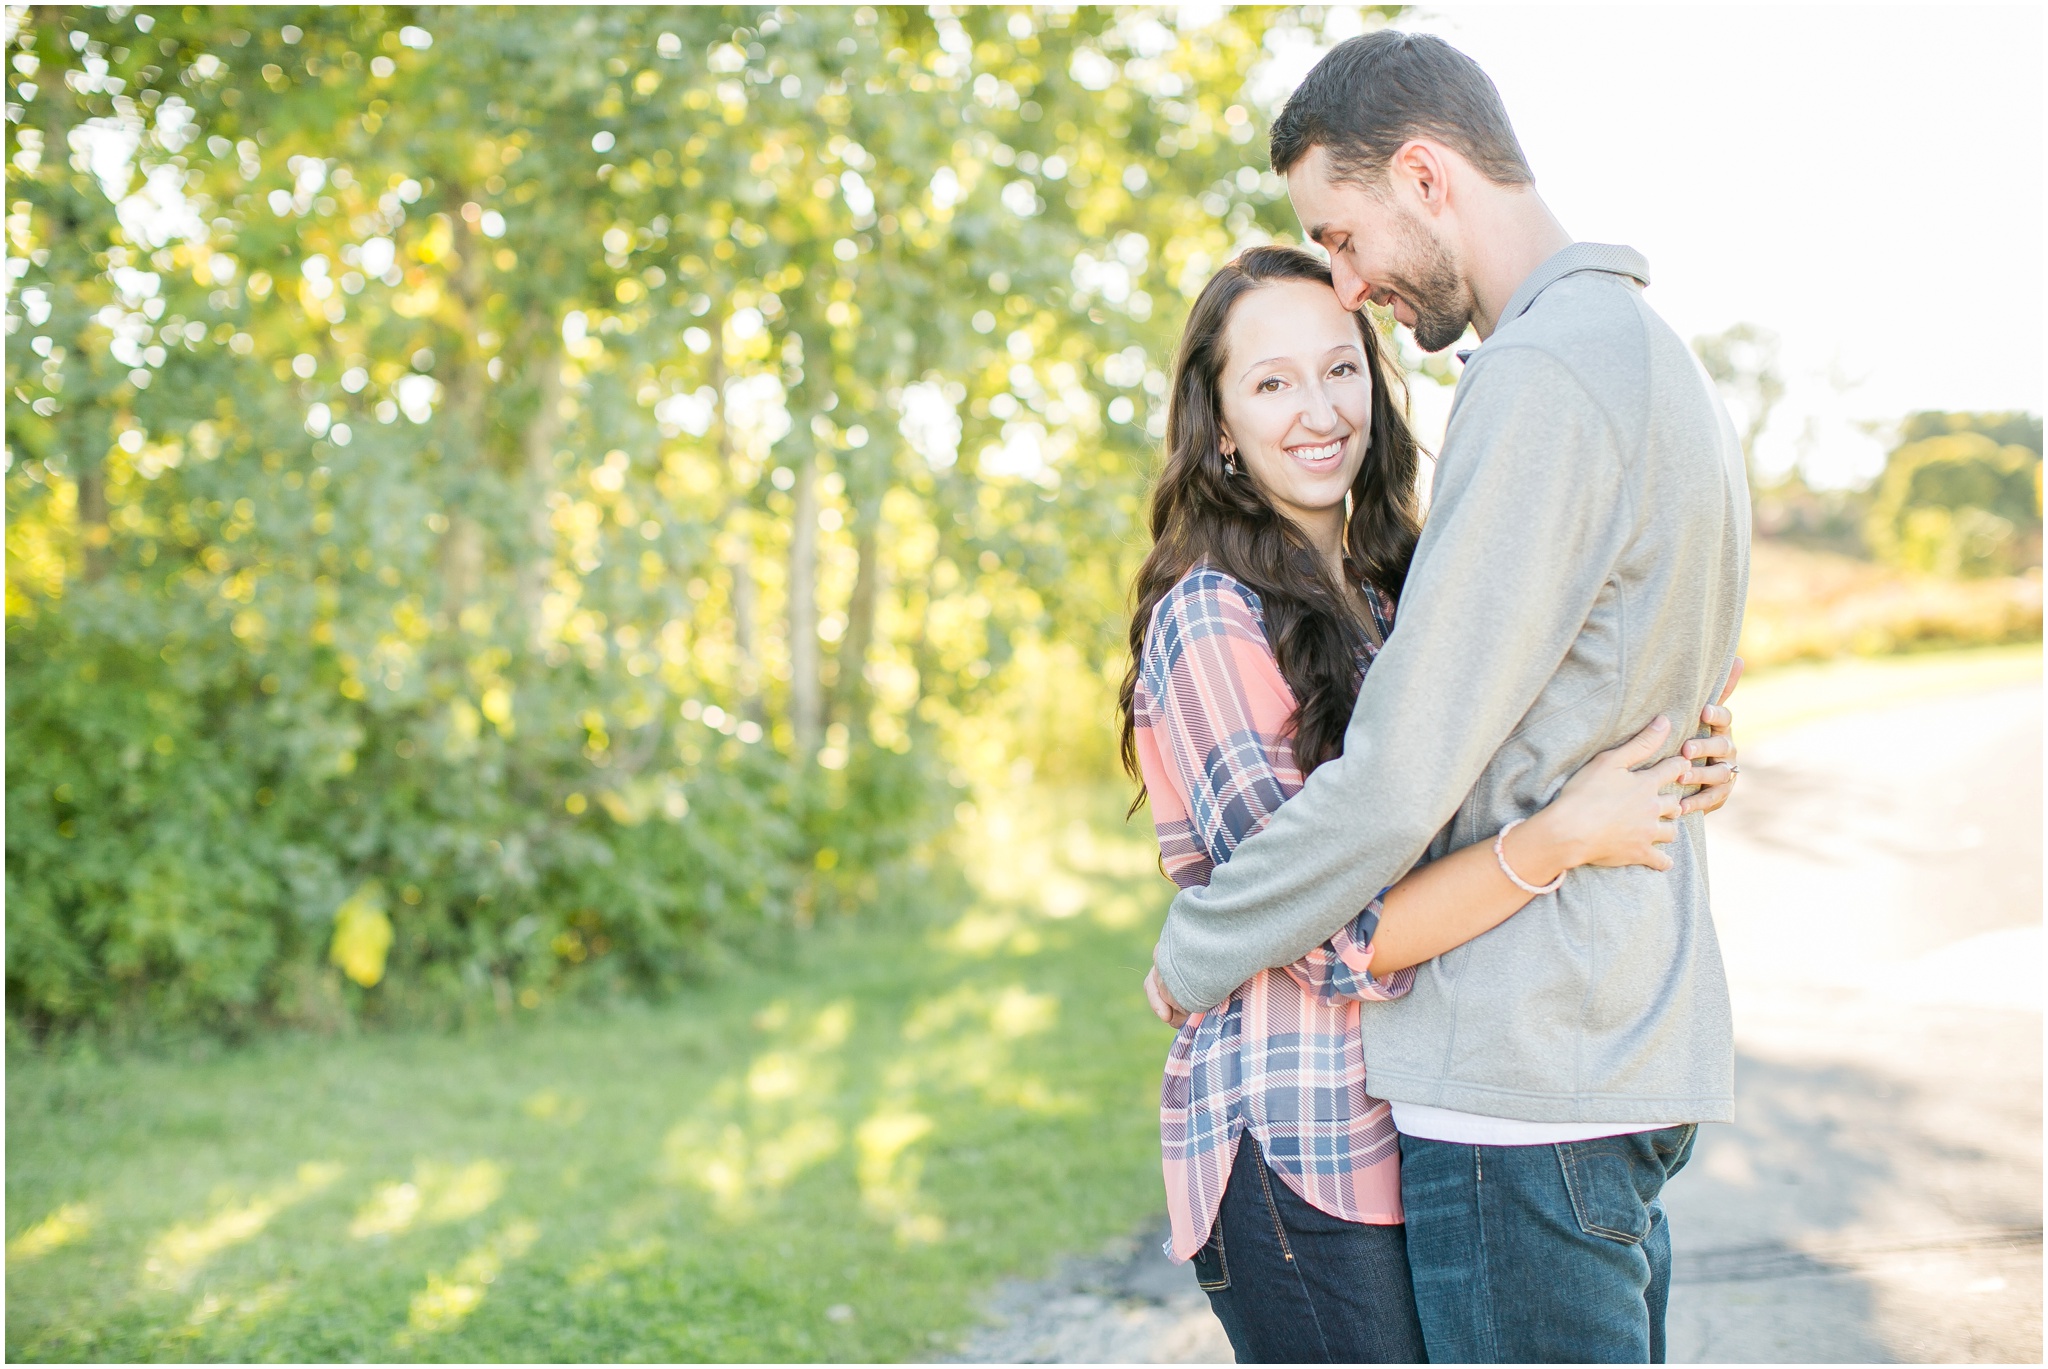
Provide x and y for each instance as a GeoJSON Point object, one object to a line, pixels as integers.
{"type": "Point", "coordinates": [1282, 1056]}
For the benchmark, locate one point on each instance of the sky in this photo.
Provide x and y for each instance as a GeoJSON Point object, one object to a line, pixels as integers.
{"type": "Point", "coordinates": [1863, 180]}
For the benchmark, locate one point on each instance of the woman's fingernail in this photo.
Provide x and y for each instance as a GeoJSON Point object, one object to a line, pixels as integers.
{"type": "Point", "coordinates": [1660, 722]}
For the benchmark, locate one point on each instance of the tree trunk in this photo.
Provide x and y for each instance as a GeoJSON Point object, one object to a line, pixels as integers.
{"type": "Point", "coordinates": [93, 533]}
{"type": "Point", "coordinates": [466, 425]}
{"type": "Point", "coordinates": [745, 598]}
{"type": "Point", "coordinates": [462, 564]}
{"type": "Point", "coordinates": [860, 616]}
{"type": "Point", "coordinates": [806, 704]}
{"type": "Point", "coordinates": [739, 551]}
{"type": "Point", "coordinates": [537, 454]}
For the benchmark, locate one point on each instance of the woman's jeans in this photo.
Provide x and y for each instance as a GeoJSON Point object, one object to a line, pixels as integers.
{"type": "Point", "coordinates": [1542, 1254]}
{"type": "Point", "coordinates": [1295, 1285]}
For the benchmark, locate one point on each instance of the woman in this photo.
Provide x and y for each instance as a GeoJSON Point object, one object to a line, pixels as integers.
{"type": "Point", "coordinates": [1284, 522]}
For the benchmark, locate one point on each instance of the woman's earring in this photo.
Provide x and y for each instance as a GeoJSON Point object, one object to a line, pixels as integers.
{"type": "Point", "coordinates": [1230, 463]}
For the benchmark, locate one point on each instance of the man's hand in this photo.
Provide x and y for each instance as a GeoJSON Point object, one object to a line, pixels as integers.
{"type": "Point", "coordinates": [1163, 1006]}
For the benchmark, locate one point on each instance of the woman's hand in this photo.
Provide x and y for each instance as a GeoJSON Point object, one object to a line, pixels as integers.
{"type": "Point", "coordinates": [1161, 1001]}
{"type": "Point", "coordinates": [1609, 813]}
{"type": "Point", "coordinates": [1713, 756]}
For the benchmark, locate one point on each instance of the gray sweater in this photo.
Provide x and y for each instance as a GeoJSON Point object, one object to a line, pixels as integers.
{"type": "Point", "coordinates": [1582, 570]}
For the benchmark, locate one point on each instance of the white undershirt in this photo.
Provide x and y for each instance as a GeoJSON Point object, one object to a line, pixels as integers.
{"type": "Point", "coordinates": [1474, 1129]}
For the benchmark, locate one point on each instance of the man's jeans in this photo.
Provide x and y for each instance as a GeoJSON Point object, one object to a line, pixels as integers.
{"type": "Point", "coordinates": [1294, 1285]}
{"type": "Point", "coordinates": [1542, 1254]}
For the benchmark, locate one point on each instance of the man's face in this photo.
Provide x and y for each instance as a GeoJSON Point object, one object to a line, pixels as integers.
{"type": "Point", "coordinates": [1381, 249]}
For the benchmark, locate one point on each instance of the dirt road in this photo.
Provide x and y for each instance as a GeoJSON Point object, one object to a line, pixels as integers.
{"type": "Point", "coordinates": [1878, 893]}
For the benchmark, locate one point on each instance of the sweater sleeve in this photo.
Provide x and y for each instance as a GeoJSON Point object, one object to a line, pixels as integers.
{"type": "Point", "coordinates": [1529, 517]}
{"type": "Point", "coordinates": [1217, 712]}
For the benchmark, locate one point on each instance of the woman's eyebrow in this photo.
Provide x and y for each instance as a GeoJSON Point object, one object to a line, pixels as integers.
{"type": "Point", "coordinates": [1270, 361]}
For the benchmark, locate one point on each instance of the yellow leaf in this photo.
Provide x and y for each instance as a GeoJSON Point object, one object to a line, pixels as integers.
{"type": "Point", "coordinates": [362, 935]}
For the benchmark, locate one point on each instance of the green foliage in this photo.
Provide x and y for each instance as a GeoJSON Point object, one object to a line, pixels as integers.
{"type": "Point", "coordinates": [589, 471]}
{"type": "Point", "coordinates": [831, 1156]}
{"type": "Point", "coordinates": [1742, 360]}
{"type": "Point", "coordinates": [1961, 496]}
{"type": "Point", "coordinates": [2006, 429]}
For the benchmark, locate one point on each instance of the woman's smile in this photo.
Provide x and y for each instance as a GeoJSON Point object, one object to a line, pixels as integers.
{"type": "Point", "coordinates": [1320, 457]}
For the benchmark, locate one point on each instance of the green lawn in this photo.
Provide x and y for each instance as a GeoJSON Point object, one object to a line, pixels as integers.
{"type": "Point", "coordinates": [828, 1159]}
{"type": "Point", "coordinates": [1770, 701]}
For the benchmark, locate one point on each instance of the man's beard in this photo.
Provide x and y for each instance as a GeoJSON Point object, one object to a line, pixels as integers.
{"type": "Point", "coordinates": [1442, 301]}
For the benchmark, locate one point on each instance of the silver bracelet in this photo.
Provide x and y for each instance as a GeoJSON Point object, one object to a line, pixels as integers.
{"type": "Point", "coordinates": [1500, 854]}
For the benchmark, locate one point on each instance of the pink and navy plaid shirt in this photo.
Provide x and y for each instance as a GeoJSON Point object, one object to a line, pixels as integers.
{"type": "Point", "coordinates": [1282, 1055]}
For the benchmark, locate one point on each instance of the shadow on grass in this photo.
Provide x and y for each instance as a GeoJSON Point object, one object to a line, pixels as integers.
{"type": "Point", "coordinates": [825, 1158]}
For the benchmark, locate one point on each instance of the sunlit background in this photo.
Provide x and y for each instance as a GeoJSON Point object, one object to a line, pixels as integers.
{"type": "Point", "coordinates": [1862, 182]}
{"type": "Point", "coordinates": [566, 584]}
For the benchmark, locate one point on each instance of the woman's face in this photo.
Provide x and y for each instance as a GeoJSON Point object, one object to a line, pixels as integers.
{"type": "Point", "coordinates": [1297, 397]}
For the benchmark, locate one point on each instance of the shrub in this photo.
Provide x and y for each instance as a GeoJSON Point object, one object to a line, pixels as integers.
{"type": "Point", "coordinates": [1960, 498]}
{"type": "Point", "coordinates": [1958, 505]}
{"type": "Point", "coordinates": [1812, 605]}
{"type": "Point", "coordinates": [181, 843]}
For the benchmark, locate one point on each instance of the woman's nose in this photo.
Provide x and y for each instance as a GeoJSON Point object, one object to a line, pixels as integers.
{"type": "Point", "coordinates": [1318, 414]}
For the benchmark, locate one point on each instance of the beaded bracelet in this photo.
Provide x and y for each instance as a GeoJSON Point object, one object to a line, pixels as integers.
{"type": "Point", "coordinates": [1500, 854]}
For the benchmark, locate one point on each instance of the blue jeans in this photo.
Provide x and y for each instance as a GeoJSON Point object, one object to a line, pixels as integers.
{"type": "Point", "coordinates": [1542, 1254]}
{"type": "Point", "coordinates": [1295, 1285]}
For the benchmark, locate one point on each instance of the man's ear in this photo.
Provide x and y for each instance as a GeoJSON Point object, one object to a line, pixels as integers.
{"type": "Point", "coordinates": [1419, 169]}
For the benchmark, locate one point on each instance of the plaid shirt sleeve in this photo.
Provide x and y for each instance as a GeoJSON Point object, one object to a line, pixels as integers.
{"type": "Point", "coordinates": [1222, 713]}
{"type": "Point", "coordinates": [1340, 970]}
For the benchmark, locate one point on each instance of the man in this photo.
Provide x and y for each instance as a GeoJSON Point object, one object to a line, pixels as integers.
{"type": "Point", "coordinates": [1582, 570]}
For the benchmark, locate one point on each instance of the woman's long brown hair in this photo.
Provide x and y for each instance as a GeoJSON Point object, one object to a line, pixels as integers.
{"type": "Point", "coordinates": [1203, 514]}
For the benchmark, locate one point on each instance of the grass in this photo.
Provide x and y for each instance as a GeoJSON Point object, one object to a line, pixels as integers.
{"type": "Point", "coordinates": [832, 1158]}
{"type": "Point", "coordinates": [1776, 698]}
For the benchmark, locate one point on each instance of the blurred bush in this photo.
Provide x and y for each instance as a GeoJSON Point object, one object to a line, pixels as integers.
{"type": "Point", "coordinates": [583, 486]}
{"type": "Point", "coordinates": [1942, 550]}
{"type": "Point", "coordinates": [1808, 604]}
{"type": "Point", "coordinates": [1961, 495]}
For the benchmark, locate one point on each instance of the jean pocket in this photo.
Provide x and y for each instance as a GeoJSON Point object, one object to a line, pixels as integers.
{"type": "Point", "coordinates": [1674, 1146]}
{"type": "Point", "coordinates": [1212, 1270]}
{"type": "Point", "coordinates": [1602, 1178]}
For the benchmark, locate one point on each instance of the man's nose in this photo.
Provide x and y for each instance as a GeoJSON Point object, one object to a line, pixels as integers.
{"type": "Point", "coordinates": [1351, 288]}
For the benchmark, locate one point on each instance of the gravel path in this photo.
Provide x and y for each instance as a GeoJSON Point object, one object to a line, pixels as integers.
{"type": "Point", "coordinates": [1127, 1305]}
{"type": "Point", "coordinates": [1878, 895]}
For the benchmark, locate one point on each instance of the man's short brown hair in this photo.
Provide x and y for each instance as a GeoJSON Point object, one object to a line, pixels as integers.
{"type": "Point", "coordinates": [1374, 93]}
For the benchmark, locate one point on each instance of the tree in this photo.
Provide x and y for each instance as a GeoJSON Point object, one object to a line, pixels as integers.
{"type": "Point", "coordinates": [571, 470]}
{"type": "Point", "coordinates": [1742, 360]}
{"type": "Point", "coordinates": [1961, 495]}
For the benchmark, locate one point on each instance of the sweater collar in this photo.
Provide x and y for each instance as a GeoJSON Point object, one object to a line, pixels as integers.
{"type": "Point", "coordinates": [1569, 261]}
